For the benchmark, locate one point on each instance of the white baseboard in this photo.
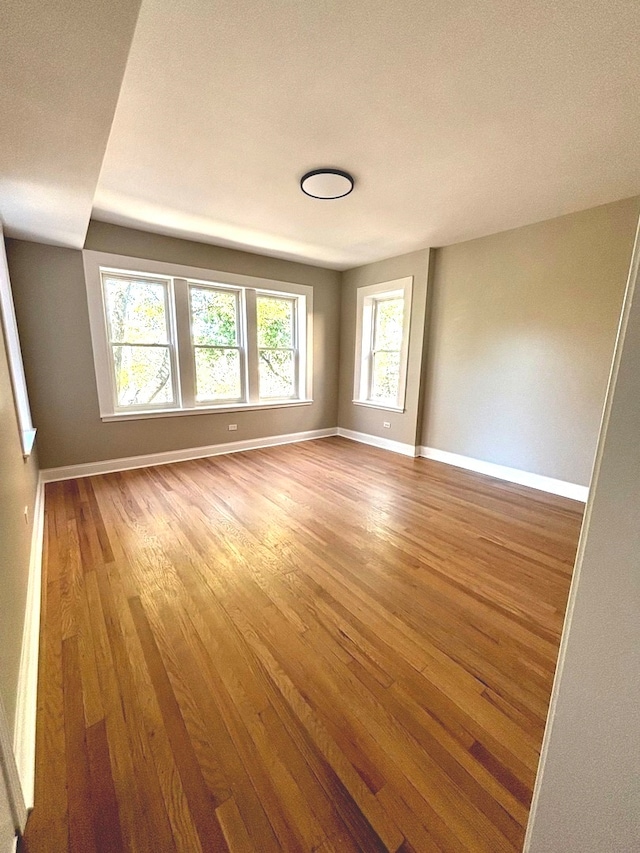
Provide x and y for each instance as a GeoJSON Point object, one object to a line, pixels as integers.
{"type": "Point", "coordinates": [127, 463]}
{"type": "Point", "coordinates": [9, 776]}
{"type": "Point", "coordinates": [376, 441]}
{"type": "Point", "coordinates": [512, 475]}
{"type": "Point", "coordinates": [24, 736]}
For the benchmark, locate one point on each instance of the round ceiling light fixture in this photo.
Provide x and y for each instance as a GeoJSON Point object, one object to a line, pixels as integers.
{"type": "Point", "coordinates": [326, 183]}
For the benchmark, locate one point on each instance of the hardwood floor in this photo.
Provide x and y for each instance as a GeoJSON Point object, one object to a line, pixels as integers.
{"type": "Point", "coordinates": [316, 647]}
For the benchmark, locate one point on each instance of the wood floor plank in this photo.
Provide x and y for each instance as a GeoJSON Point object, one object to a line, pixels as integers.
{"type": "Point", "coordinates": [106, 815]}
{"type": "Point", "coordinates": [233, 827]}
{"type": "Point", "coordinates": [135, 697]}
{"type": "Point", "coordinates": [81, 807]}
{"type": "Point", "coordinates": [137, 834]}
{"type": "Point", "coordinates": [200, 801]}
{"type": "Point", "coordinates": [318, 647]}
{"type": "Point", "coordinates": [161, 772]}
{"type": "Point", "coordinates": [209, 697]}
{"type": "Point", "coordinates": [49, 824]}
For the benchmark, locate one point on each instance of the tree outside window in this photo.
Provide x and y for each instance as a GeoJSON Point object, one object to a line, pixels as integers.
{"type": "Point", "coordinates": [276, 347]}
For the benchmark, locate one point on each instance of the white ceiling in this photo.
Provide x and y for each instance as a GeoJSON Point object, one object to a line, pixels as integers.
{"type": "Point", "coordinates": [61, 66]}
{"type": "Point", "coordinates": [457, 119]}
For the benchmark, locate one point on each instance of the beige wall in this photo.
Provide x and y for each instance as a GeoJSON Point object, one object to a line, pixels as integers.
{"type": "Point", "coordinates": [51, 305]}
{"type": "Point", "coordinates": [521, 337]}
{"type": "Point", "coordinates": [519, 343]}
{"type": "Point", "coordinates": [404, 425]}
{"type": "Point", "coordinates": [17, 490]}
{"type": "Point", "coordinates": [587, 797]}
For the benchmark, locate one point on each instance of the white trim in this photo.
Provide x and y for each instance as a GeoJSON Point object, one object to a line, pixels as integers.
{"type": "Point", "coordinates": [9, 772]}
{"type": "Point", "coordinates": [14, 354]}
{"type": "Point", "coordinates": [176, 274]}
{"type": "Point", "coordinates": [365, 299]}
{"type": "Point", "coordinates": [512, 475]}
{"type": "Point", "coordinates": [107, 466]}
{"type": "Point", "coordinates": [198, 274]}
{"type": "Point", "coordinates": [376, 441]}
{"type": "Point", "coordinates": [28, 440]}
{"type": "Point", "coordinates": [24, 735]}
{"type": "Point", "coordinates": [107, 382]}
{"type": "Point", "coordinates": [204, 410]}
{"type": "Point", "coordinates": [384, 406]}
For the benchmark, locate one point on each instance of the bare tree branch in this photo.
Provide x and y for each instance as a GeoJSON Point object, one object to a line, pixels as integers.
{"type": "Point", "coordinates": [265, 358]}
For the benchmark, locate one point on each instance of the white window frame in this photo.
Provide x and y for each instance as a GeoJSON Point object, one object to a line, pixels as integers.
{"type": "Point", "coordinates": [366, 300]}
{"type": "Point", "coordinates": [296, 338]}
{"type": "Point", "coordinates": [14, 355]}
{"type": "Point", "coordinates": [170, 345]}
{"type": "Point", "coordinates": [180, 279]}
{"type": "Point", "coordinates": [241, 314]}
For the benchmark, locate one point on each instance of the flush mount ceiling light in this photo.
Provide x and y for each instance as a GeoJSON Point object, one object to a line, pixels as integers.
{"type": "Point", "coordinates": [326, 183]}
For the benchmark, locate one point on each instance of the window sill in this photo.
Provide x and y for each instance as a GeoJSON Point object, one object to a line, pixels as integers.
{"type": "Point", "coordinates": [384, 406]}
{"type": "Point", "coordinates": [204, 410]}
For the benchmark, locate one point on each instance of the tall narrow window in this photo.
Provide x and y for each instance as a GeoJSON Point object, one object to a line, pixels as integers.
{"type": "Point", "coordinates": [137, 312]}
{"type": "Point", "coordinates": [388, 314]}
{"type": "Point", "coordinates": [215, 331]}
{"type": "Point", "coordinates": [276, 321]}
{"type": "Point", "coordinates": [382, 344]}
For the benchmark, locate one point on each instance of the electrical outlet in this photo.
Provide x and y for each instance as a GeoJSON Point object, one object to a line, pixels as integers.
{"type": "Point", "coordinates": [386, 424]}
{"type": "Point", "coordinates": [26, 515]}
{"type": "Point", "coordinates": [232, 427]}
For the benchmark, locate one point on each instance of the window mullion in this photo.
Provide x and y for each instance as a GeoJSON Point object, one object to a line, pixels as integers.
{"type": "Point", "coordinates": [251, 330]}
{"type": "Point", "coordinates": [184, 347]}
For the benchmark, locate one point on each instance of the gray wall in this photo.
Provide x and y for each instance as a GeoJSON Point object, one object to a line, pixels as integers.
{"type": "Point", "coordinates": [588, 793]}
{"type": "Point", "coordinates": [519, 342]}
{"type": "Point", "coordinates": [522, 331]}
{"type": "Point", "coordinates": [51, 305]}
{"type": "Point", "coordinates": [18, 480]}
{"type": "Point", "coordinates": [404, 425]}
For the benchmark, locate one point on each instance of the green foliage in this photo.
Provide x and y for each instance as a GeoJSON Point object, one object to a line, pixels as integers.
{"type": "Point", "coordinates": [142, 375]}
{"type": "Point", "coordinates": [214, 328]}
{"type": "Point", "coordinates": [277, 374]}
{"type": "Point", "coordinates": [213, 317]}
{"type": "Point", "coordinates": [275, 342]}
{"type": "Point", "coordinates": [136, 314]}
{"type": "Point", "coordinates": [217, 374]}
{"type": "Point", "coordinates": [389, 317]}
{"type": "Point", "coordinates": [275, 322]}
{"type": "Point", "coordinates": [136, 311]}
{"type": "Point", "coordinates": [385, 377]}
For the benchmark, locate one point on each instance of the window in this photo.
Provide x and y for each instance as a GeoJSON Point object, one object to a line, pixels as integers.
{"type": "Point", "coordinates": [386, 348]}
{"type": "Point", "coordinates": [137, 313]}
{"type": "Point", "coordinates": [14, 355]}
{"type": "Point", "coordinates": [166, 342]}
{"type": "Point", "coordinates": [276, 347]}
{"type": "Point", "coordinates": [382, 344]}
{"type": "Point", "coordinates": [215, 324]}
